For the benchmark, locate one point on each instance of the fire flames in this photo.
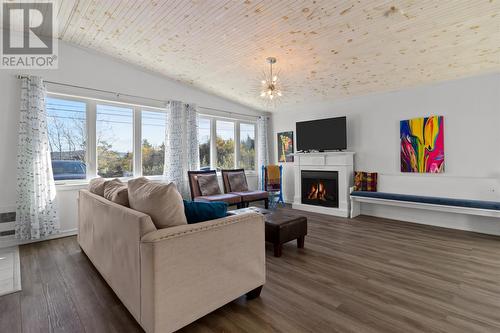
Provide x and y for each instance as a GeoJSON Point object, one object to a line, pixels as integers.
{"type": "Point", "coordinates": [317, 191]}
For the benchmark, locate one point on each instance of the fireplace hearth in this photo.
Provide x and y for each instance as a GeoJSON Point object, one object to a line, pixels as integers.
{"type": "Point", "coordinates": [320, 188]}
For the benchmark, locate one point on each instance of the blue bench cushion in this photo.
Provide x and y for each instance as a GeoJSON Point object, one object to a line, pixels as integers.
{"type": "Point", "coordinates": [480, 204]}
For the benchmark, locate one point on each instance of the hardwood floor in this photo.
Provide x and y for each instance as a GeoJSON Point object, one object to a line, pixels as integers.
{"type": "Point", "coordinates": [362, 275]}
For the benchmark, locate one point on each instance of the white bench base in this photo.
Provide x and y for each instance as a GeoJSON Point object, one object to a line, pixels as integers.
{"type": "Point", "coordinates": [356, 207]}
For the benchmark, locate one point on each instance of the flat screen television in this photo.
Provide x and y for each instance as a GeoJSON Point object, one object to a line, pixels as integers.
{"type": "Point", "coordinates": [322, 134]}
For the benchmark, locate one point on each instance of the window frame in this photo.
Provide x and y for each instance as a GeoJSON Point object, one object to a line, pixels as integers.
{"type": "Point", "coordinates": [213, 135]}
{"type": "Point", "coordinates": [254, 124]}
{"type": "Point", "coordinates": [134, 138]}
{"type": "Point", "coordinates": [91, 136]}
{"type": "Point", "coordinates": [89, 149]}
{"type": "Point", "coordinates": [210, 142]}
{"type": "Point", "coordinates": [138, 140]}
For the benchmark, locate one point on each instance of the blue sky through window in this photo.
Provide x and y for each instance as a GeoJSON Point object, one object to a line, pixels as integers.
{"type": "Point", "coordinates": [153, 127]}
{"type": "Point", "coordinates": [225, 129]}
{"type": "Point", "coordinates": [115, 127]}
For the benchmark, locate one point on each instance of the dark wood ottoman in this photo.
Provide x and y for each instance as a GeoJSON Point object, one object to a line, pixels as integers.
{"type": "Point", "coordinates": [282, 228]}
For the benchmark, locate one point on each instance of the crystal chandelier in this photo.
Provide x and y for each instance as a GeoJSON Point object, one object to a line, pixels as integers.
{"type": "Point", "coordinates": [271, 85]}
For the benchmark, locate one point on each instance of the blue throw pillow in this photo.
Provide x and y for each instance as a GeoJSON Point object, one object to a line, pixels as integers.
{"type": "Point", "coordinates": [204, 211]}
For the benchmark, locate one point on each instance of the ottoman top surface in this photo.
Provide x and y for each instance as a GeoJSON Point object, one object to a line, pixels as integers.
{"type": "Point", "coordinates": [280, 218]}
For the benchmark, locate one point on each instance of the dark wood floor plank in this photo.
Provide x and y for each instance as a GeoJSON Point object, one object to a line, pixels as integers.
{"type": "Point", "coordinates": [63, 315]}
{"type": "Point", "coordinates": [34, 311]}
{"type": "Point", "coordinates": [362, 275]}
{"type": "Point", "coordinates": [10, 313]}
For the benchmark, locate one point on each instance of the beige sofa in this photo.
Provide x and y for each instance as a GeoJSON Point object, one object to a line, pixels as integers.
{"type": "Point", "coordinates": [170, 277]}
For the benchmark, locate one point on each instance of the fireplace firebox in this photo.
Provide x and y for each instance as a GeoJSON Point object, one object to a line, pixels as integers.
{"type": "Point", "coordinates": [320, 188]}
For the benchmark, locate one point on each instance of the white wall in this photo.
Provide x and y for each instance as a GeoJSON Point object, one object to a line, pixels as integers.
{"type": "Point", "coordinates": [89, 69]}
{"type": "Point", "coordinates": [471, 110]}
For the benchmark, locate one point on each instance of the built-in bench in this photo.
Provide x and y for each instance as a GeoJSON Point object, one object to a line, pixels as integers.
{"type": "Point", "coordinates": [460, 206]}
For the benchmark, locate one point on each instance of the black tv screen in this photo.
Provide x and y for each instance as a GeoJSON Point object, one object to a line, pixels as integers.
{"type": "Point", "coordinates": [322, 134]}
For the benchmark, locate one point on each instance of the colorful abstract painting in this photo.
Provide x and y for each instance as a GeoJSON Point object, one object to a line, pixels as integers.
{"type": "Point", "coordinates": [422, 145]}
{"type": "Point", "coordinates": [285, 147]}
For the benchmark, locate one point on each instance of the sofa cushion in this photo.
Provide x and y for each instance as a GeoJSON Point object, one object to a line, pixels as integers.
{"type": "Point", "coordinates": [208, 185]}
{"type": "Point", "coordinates": [237, 181]}
{"type": "Point", "coordinates": [479, 204]}
{"type": "Point", "coordinates": [204, 211]}
{"type": "Point", "coordinates": [96, 186]}
{"type": "Point", "coordinates": [252, 195]}
{"type": "Point", "coordinates": [116, 191]}
{"type": "Point", "coordinates": [231, 199]}
{"type": "Point", "coordinates": [160, 201]}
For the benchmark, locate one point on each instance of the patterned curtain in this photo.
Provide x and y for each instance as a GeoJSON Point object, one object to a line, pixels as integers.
{"type": "Point", "coordinates": [262, 145]}
{"type": "Point", "coordinates": [181, 144]}
{"type": "Point", "coordinates": [36, 214]}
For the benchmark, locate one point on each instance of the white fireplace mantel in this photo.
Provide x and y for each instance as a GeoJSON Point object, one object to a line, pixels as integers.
{"type": "Point", "coordinates": [342, 162]}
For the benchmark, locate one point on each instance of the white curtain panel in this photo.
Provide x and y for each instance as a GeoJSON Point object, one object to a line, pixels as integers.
{"type": "Point", "coordinates": [181, 144]}
{"type": "Point", "coordinates": [36, 213]}
{"type": "Point", "coordinates": [262, 145]}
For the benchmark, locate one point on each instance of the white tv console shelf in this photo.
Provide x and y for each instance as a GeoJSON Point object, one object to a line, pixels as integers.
{"type": "Point", "coordinates": [342, 162]}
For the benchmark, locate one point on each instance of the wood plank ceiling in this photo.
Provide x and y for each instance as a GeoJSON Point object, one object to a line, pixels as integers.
{"type": "Point", "coordinates": [326, 49]}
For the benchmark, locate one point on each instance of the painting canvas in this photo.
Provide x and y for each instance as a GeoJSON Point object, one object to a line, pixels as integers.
{"type": "Point", "coordinates": [422, 145]}
{"type": "Point", "coordinates": [285, 146]}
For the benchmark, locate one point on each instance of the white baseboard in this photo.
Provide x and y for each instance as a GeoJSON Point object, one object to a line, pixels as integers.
{"type": "Point", "coordinates": [8, 241]}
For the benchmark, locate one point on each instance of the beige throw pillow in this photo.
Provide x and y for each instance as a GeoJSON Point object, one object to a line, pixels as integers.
{"type": "Point", "coordinates": [116, 191]}
{"type": "Point", "coordinates": [237, 182]}
{"type": "Point", "coordinates": [96, 186]}
{"type": "Point", "coordinates": [160, 201]}
{"type": "Point", "coordinates": [208, 185]}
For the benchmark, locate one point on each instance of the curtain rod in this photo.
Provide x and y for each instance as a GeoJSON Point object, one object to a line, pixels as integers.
{"type": "Point", "coordinates": [117, 94]}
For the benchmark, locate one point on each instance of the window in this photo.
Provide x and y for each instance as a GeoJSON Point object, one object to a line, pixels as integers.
{"type": "Point", "coordinates": [204, 142]}
{"type": "Point", "coordinates": [67, 127]}
{"type": "Point", "coordinates": [247, 146]}
{"type": "Point", "coordinates": [153, 142]}
{"type": "Point", "coordinates": [90, 137]}
{"type": "Point", "coordinates": [230, 141]}
{"type": "Point", "coordinates": [225, 144]}
{"type": "Point", "coordinates": [114, 137]}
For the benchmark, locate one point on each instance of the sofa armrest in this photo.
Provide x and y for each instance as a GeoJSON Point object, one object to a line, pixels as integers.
{"type": "Point", "coordinates": [190, 270]}
{"type": "Point", "coordinates": [110, 235]}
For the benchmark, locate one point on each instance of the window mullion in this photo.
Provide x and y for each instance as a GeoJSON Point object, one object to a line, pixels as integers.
{"type": "Point", "coordinates": [137, 152]}
{"type": "Point", "coordinates": [256, 145]}
{"type": "Point", "coordinates": [91, 140]}
{"type": "Point", "coordinates": [236, 144]}
{"type": "Point", "coordinates": [213, 144]}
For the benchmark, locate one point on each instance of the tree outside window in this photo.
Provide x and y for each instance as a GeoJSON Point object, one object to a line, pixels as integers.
{"type": "Point", "coordinates": [153, 142]}
{"type": "Point", "coordinates": [204, 142]}
{"type": "Point", "coordinates": [247, 146]}
{"type": "Point", "coordinates": [225, 144]}
{"type": "Point", "coordinates": [66, 123]}
{"type": "Point", "coordinates": [114, 129]}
